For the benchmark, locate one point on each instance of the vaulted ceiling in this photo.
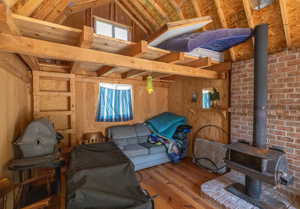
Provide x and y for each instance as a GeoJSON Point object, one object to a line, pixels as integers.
{"type": "Point", "coordinates": [283, 16]}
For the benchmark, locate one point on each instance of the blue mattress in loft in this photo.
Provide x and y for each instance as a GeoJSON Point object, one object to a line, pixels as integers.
{"type": "Point", "coordinates": [215, 40]}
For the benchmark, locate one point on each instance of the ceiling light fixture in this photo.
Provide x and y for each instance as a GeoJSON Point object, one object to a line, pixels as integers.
{"type": "Point", "coordinates": [260, 4]}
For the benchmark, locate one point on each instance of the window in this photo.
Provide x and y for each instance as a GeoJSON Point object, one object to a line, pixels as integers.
{"type": "Point", "coordinates": [115, 103]}
{"type": "Point", "coordinates": [112, 29]}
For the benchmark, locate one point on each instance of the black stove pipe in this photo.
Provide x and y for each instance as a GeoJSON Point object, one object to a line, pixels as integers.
{"type": "Point", "coordinates": [260, 86]}
{"type": "Point", "coordinates": [253, 186]}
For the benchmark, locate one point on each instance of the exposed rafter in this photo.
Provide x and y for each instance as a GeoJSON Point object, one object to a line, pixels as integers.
{"type": "Point", "coordinates": [172, 57]}
{"type": "Point", "coordinates": [81, 5]}
{"type": "Point", "coordinates": [137, 15]}
{"type": "Point", "coordinates": [160, 11]}
{"type": "Point", "coordinates": [29, 7]}
{"type": "Point", "coordinates": [58, 11]}
{"type": "Point", "coordinates": [177, 8]}
{"type": "Point", "coordinates": [285, 21]}
{"type": "Point", "coordinates": [135, 50]}
{"type": "Point", "coordinates": [131, 16]}
{"type": "Point", "coordinates": [7, 25]}
{"type": "Point", "coordinates": [224, 24]}
{"type": "Point", "coordinates": [145, 14]}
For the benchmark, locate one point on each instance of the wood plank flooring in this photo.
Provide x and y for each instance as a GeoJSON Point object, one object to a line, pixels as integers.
{"type": "Point", "coordinates": [177, 185]}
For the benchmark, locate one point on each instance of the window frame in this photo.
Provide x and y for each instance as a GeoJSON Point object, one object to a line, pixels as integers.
{"type": "Point", "coordinates": [114, 24]}
{"type": "Point", "coordinates": [132, 104]}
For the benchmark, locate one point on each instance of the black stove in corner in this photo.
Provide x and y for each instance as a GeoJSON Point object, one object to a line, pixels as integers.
{"type": "Point", "coordinates": [257, 162]}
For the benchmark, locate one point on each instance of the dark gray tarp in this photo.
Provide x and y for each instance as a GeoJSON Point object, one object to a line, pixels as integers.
{"type": "Point", "coordinates": [102, 177]}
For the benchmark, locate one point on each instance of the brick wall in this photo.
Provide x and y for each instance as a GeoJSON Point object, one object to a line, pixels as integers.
{"type": "Point", "coordinates": [283, 104]}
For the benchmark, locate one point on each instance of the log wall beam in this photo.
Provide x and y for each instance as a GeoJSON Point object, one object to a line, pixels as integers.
{"type": "Point", "coordinates": [136, 50]}
{"type": "Point", "coordinates": [7, 25]}
{"type": "Point", "coordinates": [86, 42]}
{"type": "Point", "coordinates": [45, 49]}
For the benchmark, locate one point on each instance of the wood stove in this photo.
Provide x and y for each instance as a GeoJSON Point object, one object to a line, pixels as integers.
{"type": "Point", "coordinates": [257, 162]}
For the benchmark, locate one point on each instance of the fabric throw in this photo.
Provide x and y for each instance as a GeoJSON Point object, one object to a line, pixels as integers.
{"type": "Point", "coordinates": [115, 103]}
{"type": "Point", "coordinates": [165, 124]}
{"type": "Point", "coordinates": [215, 40]}
{"type": "Point", "coordinates": [170, 130]}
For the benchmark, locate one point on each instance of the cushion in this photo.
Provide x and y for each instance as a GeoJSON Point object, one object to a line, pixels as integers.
{"type": "Point", "coordinates": [121, 142]}
{"type": "Point", "coordinates": [133, 150]}
{"type": "Point", "coordinates": [133, 140]}
{"type": "Point", "coordinates": [142, 139]}
{"type": "Point", "coordinates": [121, 132]}
{"type": "Point", "coordinates": [153, 148]}
{"type": "Point", "coordinates": [142, 130]}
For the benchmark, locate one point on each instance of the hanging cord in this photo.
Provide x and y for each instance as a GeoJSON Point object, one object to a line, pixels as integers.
{"type": "Point", "coordinates": [196, 159]}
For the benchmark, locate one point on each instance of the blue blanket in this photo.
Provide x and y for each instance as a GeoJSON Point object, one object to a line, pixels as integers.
{"type": "Point", "coordinates": [166, 124]}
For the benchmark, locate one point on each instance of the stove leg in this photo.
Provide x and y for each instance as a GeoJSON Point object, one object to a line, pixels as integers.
{"type": "Point", "coordinates": [253, 187]}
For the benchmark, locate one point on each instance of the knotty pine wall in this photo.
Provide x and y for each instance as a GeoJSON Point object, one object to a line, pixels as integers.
{"type": "Point", "coordinates": [15, 105]}
{"type": "Point", "coordinates": [86, 102]}
{"type": "Point", "coordinates": [111, 12]}
{"type": "Point", "coordinates": [180, 102]}
{"type": "Point", "coordinates": [145, 105]}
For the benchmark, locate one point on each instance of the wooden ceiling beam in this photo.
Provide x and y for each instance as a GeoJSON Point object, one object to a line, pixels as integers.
{"type": "Point", "coordinates": [125, 10]}
{"type": "Point", "coordinates": [138, 16]}
{"type": "Point", "coordinates": [160, 11]}
{"type": "Point", "coordinates": [172, 57]}
{"type": "Point", "coordinates": [86, 42]}
{"type": "Point", "coordinates": [135, 50]}
{"type": "Point", "coordinates": [200, 63]}
{"type": "Point", "coordinates": [133, 74]}
{"type": "Point", "coordinates": [224, 25]}
{"type": "Point", "coordinates": [58, 11]}
{"type": "Point", "coordinates": [81, 5]}
{"type": "Point", "coordinates": [285, 21]}
{"type": "Point", "coordinates": [7, 25]}
{"type": "Point", "coordinates": [177, 8]}
{"type": "Point", "coordinates": [144, 12]}
{"type": "Point", "coordinates": [221, 68]}
{"type": "Point", "coordinates": [9, 3]}
{"type": "Point", "coordinates": [50, 50]}
{"type": "Point", "coordinates": [29, 7]}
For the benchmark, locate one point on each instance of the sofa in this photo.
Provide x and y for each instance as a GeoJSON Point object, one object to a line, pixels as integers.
{"type": "Point", "coordinates": [133, 141]}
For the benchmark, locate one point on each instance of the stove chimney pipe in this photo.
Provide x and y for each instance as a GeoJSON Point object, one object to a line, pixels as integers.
{"type": "Point", "coordinates": [260, 86]}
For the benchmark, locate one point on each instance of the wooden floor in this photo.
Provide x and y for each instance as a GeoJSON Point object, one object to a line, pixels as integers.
{"type": "Point", "coordinates": [178, 185]}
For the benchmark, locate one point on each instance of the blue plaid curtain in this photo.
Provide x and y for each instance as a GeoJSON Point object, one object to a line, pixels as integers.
{"type": "Point", "coordinates": [115, 103]}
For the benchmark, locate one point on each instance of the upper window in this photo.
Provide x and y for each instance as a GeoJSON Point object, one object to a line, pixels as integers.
{"type": "Point", "coordinates": [112, 29]}
{"type": "Point", "coordinates": [115, 103]}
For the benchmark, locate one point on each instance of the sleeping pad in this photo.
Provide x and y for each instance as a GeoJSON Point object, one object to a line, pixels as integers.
{"type": "Point", "coordinates": [102, 177]}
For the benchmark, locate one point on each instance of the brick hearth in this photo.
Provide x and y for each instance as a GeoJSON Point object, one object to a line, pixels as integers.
{"type": "Point", "coordinates": [214, 191]}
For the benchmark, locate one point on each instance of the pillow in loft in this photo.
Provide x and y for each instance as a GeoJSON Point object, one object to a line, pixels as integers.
{"type": "Point", "coordinates": [215, 40]}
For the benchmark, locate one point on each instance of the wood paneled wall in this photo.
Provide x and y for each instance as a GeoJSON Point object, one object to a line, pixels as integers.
{"type": "Point", "coordinates": [180, 102]}
{"type": "Point", "coordinates": [86, 102]}
{"type": "Point", "coordinates": [111, 12]}
{"type": "Point", "coordinates": [145, 105]}
{"type": "Point", "coordinates": [15, 106]}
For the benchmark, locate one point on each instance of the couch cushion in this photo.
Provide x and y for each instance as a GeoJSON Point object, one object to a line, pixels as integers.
{"type": "Point", "coordinates": [122, 132]}
{"type": "Point", "coordinates": [142, 139]}
{"type": "Point", "coordinates": [142, 130]}
{"type": "Point", "coordinates": [153, 148]}
{"type": "Point", "coordinates": [132, 150]}
{"type": "Point", "coordinates": [133, 140]}
{"type": "Point", "coordinates": [121, 142]}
